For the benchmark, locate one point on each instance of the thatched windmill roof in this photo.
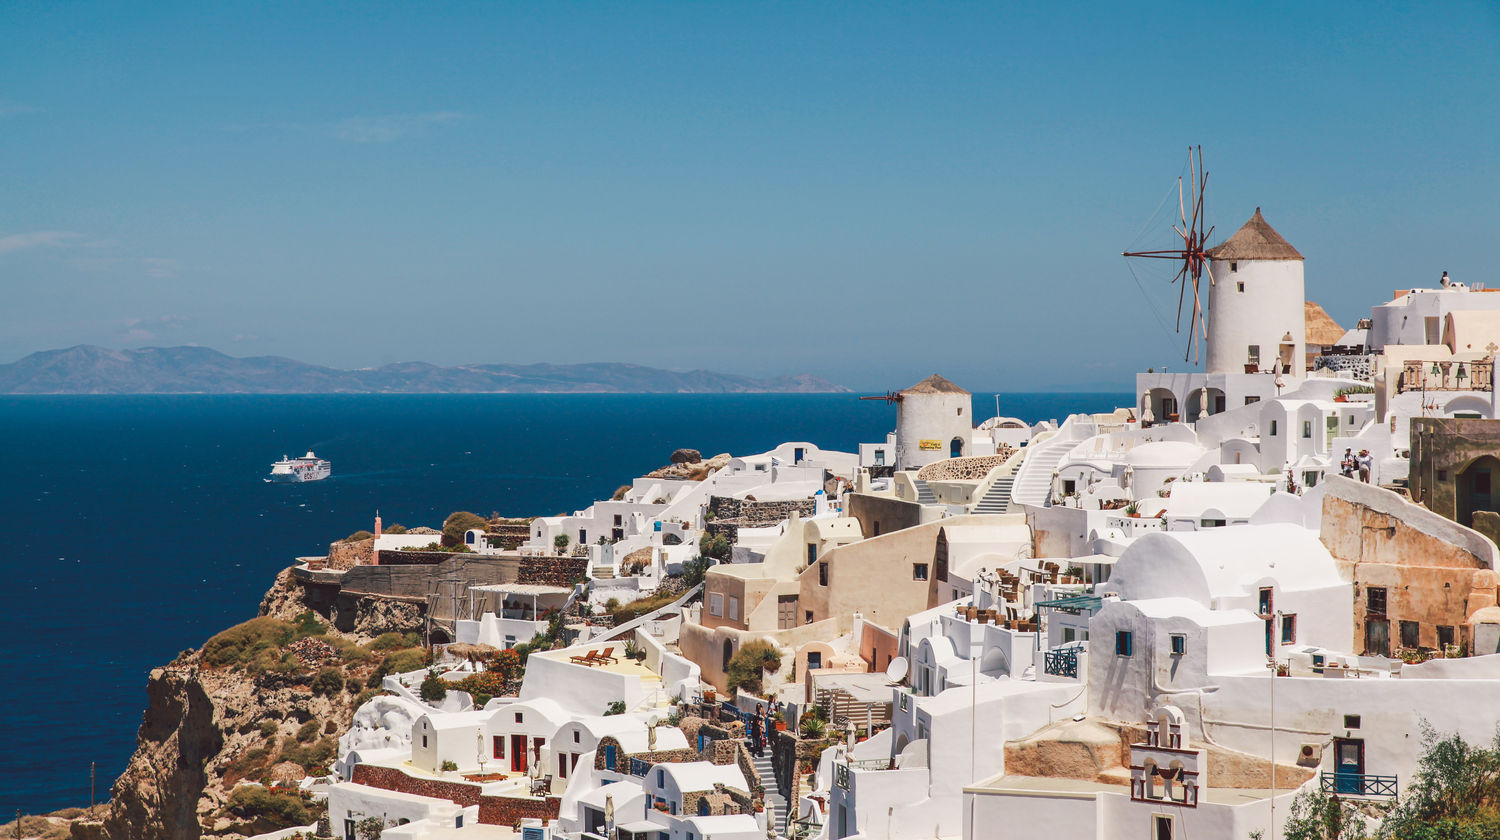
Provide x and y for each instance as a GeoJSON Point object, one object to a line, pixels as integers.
{"type": "Point", "coordinates": [934, 384]}
{"type": "Point", "coordinates": [1321, 328]}
{"type": "Point", "coordinates": [1256, 240]}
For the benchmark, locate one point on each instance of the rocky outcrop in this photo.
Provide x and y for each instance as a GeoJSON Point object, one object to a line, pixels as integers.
{"type": "Point", "coordinates": [207, 728]}
{"type": "Point", "coordinates": [686, 456]}
{"type": "Point", "coordinates": [691, 470]}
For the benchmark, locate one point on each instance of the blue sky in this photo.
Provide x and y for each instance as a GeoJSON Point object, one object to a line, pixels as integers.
{"type": "Point", "coordinates": [867, 192]}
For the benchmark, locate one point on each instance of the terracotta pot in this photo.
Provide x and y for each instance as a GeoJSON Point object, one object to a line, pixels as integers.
{"type": "Point", "coordinates": [780, 726]}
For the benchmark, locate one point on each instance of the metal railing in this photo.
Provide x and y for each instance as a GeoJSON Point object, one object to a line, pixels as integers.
{"type": "Point", "coordinates": [1062, 662]}
{"type": "Point", "coordinates": [1358, 784]}
{"type": "Point", "coordinates": [639, 767]}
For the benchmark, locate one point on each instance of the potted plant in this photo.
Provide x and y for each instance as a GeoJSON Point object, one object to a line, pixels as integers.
{"type": "Point", "coordinates": [1133, 510]}
{"type": "Point", "coordinates": [709, 695]}
{"type": "Point", "coordinates": [780, 721]}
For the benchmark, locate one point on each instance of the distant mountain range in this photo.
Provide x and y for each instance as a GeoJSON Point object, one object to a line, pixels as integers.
{"type": "Point", "coordinates": [87, 369]}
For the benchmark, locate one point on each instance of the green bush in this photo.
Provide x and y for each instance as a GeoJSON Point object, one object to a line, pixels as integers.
{"type": "Point", "coordinates": [395, 528]}
{"type": "Point", "coordinates": [450, 766]}
{"type": "Point", "coordinates": [369, 828]}
{"type": "Point", "coordinates": [560, 542]}
{"type": "Point", "coordinates": [395, 641]}
{"type": "Point", "coordinates": [308, 731]}
{"type": "Point", "coordinates": [328, 682]}
{"type": "Point", "coordinates": [399, 662]}
{"type": "Point", "coordinates": [812, 727]}
{"type": "Point", "coordinates": [244, 642]}
{"type": "Point", "coordinates": [268, 728]}
{"type": "Point", "coordinates": [615, 708]}
{"type": "Point", "coordinates": [266, 809]}
{"type": "Point", "coordinates": [459, 522]}
{"type": "Point", "coordinates": [749, 661]}
{"type": "Point", "coordinates": [694, 570]}
{"type": "Point", "coordinates": [359, 535]}
{"type": "Point", "coordinates": [434, 688]}
{"type": "Point", "coordinates": [308, 756]}
{"type": "Point", "coordinates": [634, 609]}
{"type": "Point", "coordinates": [714, 545]}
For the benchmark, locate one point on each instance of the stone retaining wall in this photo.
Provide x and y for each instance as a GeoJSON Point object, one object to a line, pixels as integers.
{"type": "Point", "coordinates": [552, 571]}
{"type": "Point", "coordinates": [965, 469]}
{"type": "Point", "coordinates": [493, 810]}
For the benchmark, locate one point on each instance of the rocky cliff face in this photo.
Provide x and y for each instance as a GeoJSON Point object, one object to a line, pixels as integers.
{"type": "Point", "coordinates": [208, 726]}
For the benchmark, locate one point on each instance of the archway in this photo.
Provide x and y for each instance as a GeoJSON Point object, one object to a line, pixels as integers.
{"type": "Point", "coordinates": [1163, 405]}
{"type": "Point", "coordinates": [1475, 488]}
{"type": "Point", "coordinates": [956, 448]}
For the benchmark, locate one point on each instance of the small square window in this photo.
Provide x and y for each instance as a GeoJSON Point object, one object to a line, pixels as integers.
{"type": "Point", "coordinates": [1442, 475]}
{"type": "Point", "coordinates": [919, 571]}
{"type": "Point", "coordinates": [518, 718]}
{"type": "Point", "coordinates": [1179, 644]}
{"type": "Point", "coordinates": [1234, 266]}
{"type": "Point", "coordinates": [1123, 643]}
{"type": "Point", "coordinates": [1240, 286]}
{"type": "Point", "coordinates": [1351, 721]}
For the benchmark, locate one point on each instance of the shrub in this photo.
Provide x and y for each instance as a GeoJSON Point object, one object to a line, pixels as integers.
{"type": "Point", "coordinates": [395, 641]}
{"type": "Point", "coordinates": [459, 522]}
{"type": "Point", "coordinates": [560, 542]}
{"type": "Point", "coordinates": [749, 661]}
{"type": "Point", "coordinates": [308, 731]}
{"type": "Point", "coordinates": [369, 828]}
{"type": "Point", "coordinates": [328, 682]}
{"type": "Point", "coordinates": [505, 663]}
{"type": "Point", "coordinates": [634, 609]}
{"type": "Point", "coordinates": [244, 642]}
{"type": "Point", "coordinates": [268, 728]}
{"type": "Point", "coordinates": [396, 528]}
{"type": "Point", "coordinates": [268, 810]}
{"type": "Point", "coordinates": [308, 756]}
{"type": "Point", "coordinates": [349, 651]}
{"type": "Point", "coordinates": [400, 662]}
{"type": "Point", "coordinates": [812, 727]}
{"type": "Point", "coordinates": [615, 708]}
{"type": "Point", "coordinates": [620, 492]}
{"type": "Point", "coordinates": [359, 535]}
{"type": "Point", "coordinates": [434, 688]}
{"type": "Point", "coordinates": [694, 571]}
{"type": "Point", "coordinates": [482, 686]}
{"type": "Point", "coordinates": [714, 545]}
{"type": "Point", "coordinates": [450, 766]}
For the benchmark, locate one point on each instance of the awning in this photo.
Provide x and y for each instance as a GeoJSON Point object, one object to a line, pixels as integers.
{"type": "Point", "coordinates": [522, 589]}
{"type": "Point", "coordinates": [1073, 605]}
{"type": "Point", "coordinates": [641, 827]}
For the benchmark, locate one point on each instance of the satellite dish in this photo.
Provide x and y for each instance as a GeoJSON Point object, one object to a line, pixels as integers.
{"type": "Point", "coordinates": [896, 671]}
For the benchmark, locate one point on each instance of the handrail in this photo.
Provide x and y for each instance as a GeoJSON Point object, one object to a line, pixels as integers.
{"type": "Point", "coordinates": [1357, 784]}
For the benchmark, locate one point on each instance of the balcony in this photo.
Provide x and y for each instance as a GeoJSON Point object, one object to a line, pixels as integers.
{"type": "Point", "coordinates": [1358, 784]}
{"type": "Point", "coordinates": [1061, 662]}
{"type": "Point", "coordinates": [1445, 376]}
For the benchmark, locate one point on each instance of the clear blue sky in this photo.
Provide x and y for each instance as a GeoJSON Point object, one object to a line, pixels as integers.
{"type": "Point", "coordinates": [867, 192]}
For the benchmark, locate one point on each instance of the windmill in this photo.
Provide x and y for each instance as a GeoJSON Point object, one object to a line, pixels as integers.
{"type": "Point", "coordinates": [1193, 255]}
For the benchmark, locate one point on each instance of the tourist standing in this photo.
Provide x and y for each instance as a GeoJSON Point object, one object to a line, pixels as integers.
{"type": "Point", "coordinates": [1365, 462]}
{"type": "Point", "coordinates": [757, 739]}
{"type": "Point", "coordinates": [1346, 466]}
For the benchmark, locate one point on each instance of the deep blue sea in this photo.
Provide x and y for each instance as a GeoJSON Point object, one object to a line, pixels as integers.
{"type": "Point", "coordinates": [135, 527]}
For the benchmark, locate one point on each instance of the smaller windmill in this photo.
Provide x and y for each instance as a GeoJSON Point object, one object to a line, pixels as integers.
{"type": "Point", "coordinates": [1193, 255]}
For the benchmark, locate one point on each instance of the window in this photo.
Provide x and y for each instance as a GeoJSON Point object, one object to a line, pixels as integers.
{"type": "Point", "coordinates": [715, 604]}
{"type": "Point", "coordinates": [734, 607]}
{"type": "Point", "coordinates": [661, 778]}
{"type": "Point", "coordinates": [1273, 428]}
{"type": "Point", "coordinates": [1234, 266]}
{"type": "Point", "coordinates": [424, 742]}
{"type": "Point", "coordinates": [1266, 601]}
{"type": "Point", "coordinates": [798, 454]}
{"type": "Point", "coordinates": [1213, 523]}
{"type": "Point", "coordinates": [1122, 643]}
{"type": "Point", "coordinates": [1069, 486]}
{"type": "Point", "coordinates": [1289, 629]}
{"type": "Point", "coordinates": [822, 574]}
{"type": "Point", "coordinates": [876, 528]}
{"type": "Point", "coordinates": [1375, 600]}
{"type": "Point", "coordinates": [1161, 827]}
{"type": "Point", "coordinates": [583, 537]}
{"type": "Point", "coordinates": [518, 718]}
{"type": "Point", "coordinates": [609, 757]}
{"type": "Point", "coordinates": [807, 617]}
{"type": "Point", "coordinates": [1442, 474]}
{"type": "Point", "coordinates": [1240, 287]}
{"type": "Point", "coordinates": [1351, 721]}
{"type": "Point", "coordinates": [1179, 644]}
{"type": "Point", "coordinates": [880, 457]}
{"type": "Point", "coordinates": [575, 737]}
{"type": "Point", "coordinates": [499, 746]}
{"type": "Point", "coordinates": [919, 571]}
{"type": "Point", "coordinates": [1251, 400]}
{"type": "Point", "coordinates": [617, 520]}
{"type": "Point", "coordinates": [562, 765]}
{"type": "Point", "coordinates": [1307, 428]}
{"type": "Point", "coordinates": [1411, 634]}
{"type": "Point", "coordinates": [1351, 419]}
{"type": "Point", "coordinates": [812, 553]}
{"type": "Point", "coordinates": [1252, 356]}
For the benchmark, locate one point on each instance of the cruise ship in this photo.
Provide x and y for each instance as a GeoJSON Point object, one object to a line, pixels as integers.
{"type": "Point", "coordinates": [295, 470]}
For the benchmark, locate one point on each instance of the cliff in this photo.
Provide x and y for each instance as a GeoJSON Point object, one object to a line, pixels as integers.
{"type": "Point", "coordinates": [264, 699]}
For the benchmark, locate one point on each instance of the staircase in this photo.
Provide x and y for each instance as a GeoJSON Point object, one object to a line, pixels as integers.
{"type": "Point", "coordinates": [924, 493]}
{"type": "Point", "coordinates": [1033, 482]}
{"type": "Point", "coordinates": [776, 804]}
{"type": "Point", "coordinates": [997, 500]}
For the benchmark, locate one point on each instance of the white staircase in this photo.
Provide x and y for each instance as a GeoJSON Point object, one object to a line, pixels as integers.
{"type": "Point", "coordinates": [924, 493]}
{"type": "Point", "coordinates": [1033, 482]}
{"type": "Point", "coordinates": [776, 806]}
{"type": "Point", "coordinates": [997, 499]}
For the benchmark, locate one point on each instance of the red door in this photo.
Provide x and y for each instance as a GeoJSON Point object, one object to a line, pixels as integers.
{"type": "Point", "coordinates": [518, 753]}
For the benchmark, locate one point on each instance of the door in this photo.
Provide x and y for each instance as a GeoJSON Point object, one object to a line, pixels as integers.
{"type": "Point", "coordinates": [348, 829]}
{"type": "Point", "coordinates": [1377, 637]}
{"type": "Point", "coordinates": [1349, 765]}
{"type": "Point", "coordinates": [786, 612]}
{"type": "Point", "coordinates": [518, 753]}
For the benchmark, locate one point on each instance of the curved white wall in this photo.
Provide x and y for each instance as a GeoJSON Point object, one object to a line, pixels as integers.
{"type": "Point", "coordinates": [940, 417]}
{"type": "Point", "coordinates": [1270, 306]}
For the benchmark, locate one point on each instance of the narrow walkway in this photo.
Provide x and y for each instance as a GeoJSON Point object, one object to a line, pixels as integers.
{"type": "Point", "coordinates": [776, 804]}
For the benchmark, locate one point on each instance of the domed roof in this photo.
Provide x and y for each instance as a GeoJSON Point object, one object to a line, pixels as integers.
{"type": "Point", "coordinates": [935, 384]}
{"type": "Point", "coordinates": [1256, 240]}
{"type": "Point", "coordinates": [1163, 453]}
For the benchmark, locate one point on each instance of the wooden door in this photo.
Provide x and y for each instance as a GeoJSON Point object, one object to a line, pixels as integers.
{"type": "Point", "coordinates": [1377, 637]}
{"type": "Point", "coordinates": [786, 612]}
{"type": "Point", "coordinates": [1349, 765]}
{"type": "Point", "coordinates": [518, 753]}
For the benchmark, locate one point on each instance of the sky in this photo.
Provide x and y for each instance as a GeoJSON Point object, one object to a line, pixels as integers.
{"type": "Point", "coordinates": [867, 192]}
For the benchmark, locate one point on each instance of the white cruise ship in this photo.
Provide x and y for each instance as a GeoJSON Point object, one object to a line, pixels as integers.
{"type": "Point", "coordinates": [295, 470]}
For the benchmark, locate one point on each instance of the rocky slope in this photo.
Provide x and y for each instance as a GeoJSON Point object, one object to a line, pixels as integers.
{"type": "Point", "coordinates": [273, 710]}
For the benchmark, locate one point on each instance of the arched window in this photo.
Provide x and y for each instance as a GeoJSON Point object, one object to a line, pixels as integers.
{"type": "Point", "coordinates": [956, 448]}
{"type": "Point", "coordinates": [703, 807]}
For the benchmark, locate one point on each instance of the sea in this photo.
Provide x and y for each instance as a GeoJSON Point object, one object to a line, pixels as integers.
{"type": "Point", "coordinates": [135, 527]}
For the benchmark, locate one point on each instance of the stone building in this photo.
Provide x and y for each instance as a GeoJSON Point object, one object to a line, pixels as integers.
{"type": "Point", "coordinates": [1455, 463]}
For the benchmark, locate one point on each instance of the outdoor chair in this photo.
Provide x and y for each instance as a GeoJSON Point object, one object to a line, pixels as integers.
{"type": "Point", "coordinates": [585, 659]}
{"type": "Point", "coordinates": [607, 655]}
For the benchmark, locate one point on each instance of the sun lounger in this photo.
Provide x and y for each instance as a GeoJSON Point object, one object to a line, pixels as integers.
{"type": "Point", "coordinates": [607, 655]}
{"type": "Point", "coordinates": [586, 659]}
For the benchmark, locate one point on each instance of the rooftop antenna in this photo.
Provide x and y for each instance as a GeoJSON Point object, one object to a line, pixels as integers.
{"type": "Point", "coordinates": [1193, 255]}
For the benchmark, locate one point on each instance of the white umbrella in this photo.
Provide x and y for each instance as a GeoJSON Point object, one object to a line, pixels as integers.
{"type": "Point", "coordinates": [1203, 402]}
{"type": "Point", "coordinates": [609, 814]}
{"type": "Point", "coordinates": [1146, 415]}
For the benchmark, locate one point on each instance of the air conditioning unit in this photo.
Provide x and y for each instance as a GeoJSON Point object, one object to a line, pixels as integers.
{"type": "Point", "coordinates": [1310, 755]}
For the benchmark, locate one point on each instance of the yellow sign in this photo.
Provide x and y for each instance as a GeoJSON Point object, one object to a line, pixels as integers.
{"type": "Point", "coordinates": [930, 445]}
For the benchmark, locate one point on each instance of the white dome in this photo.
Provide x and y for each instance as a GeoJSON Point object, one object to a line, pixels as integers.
{"type": "Point", "coordinates": [1164, 454]}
